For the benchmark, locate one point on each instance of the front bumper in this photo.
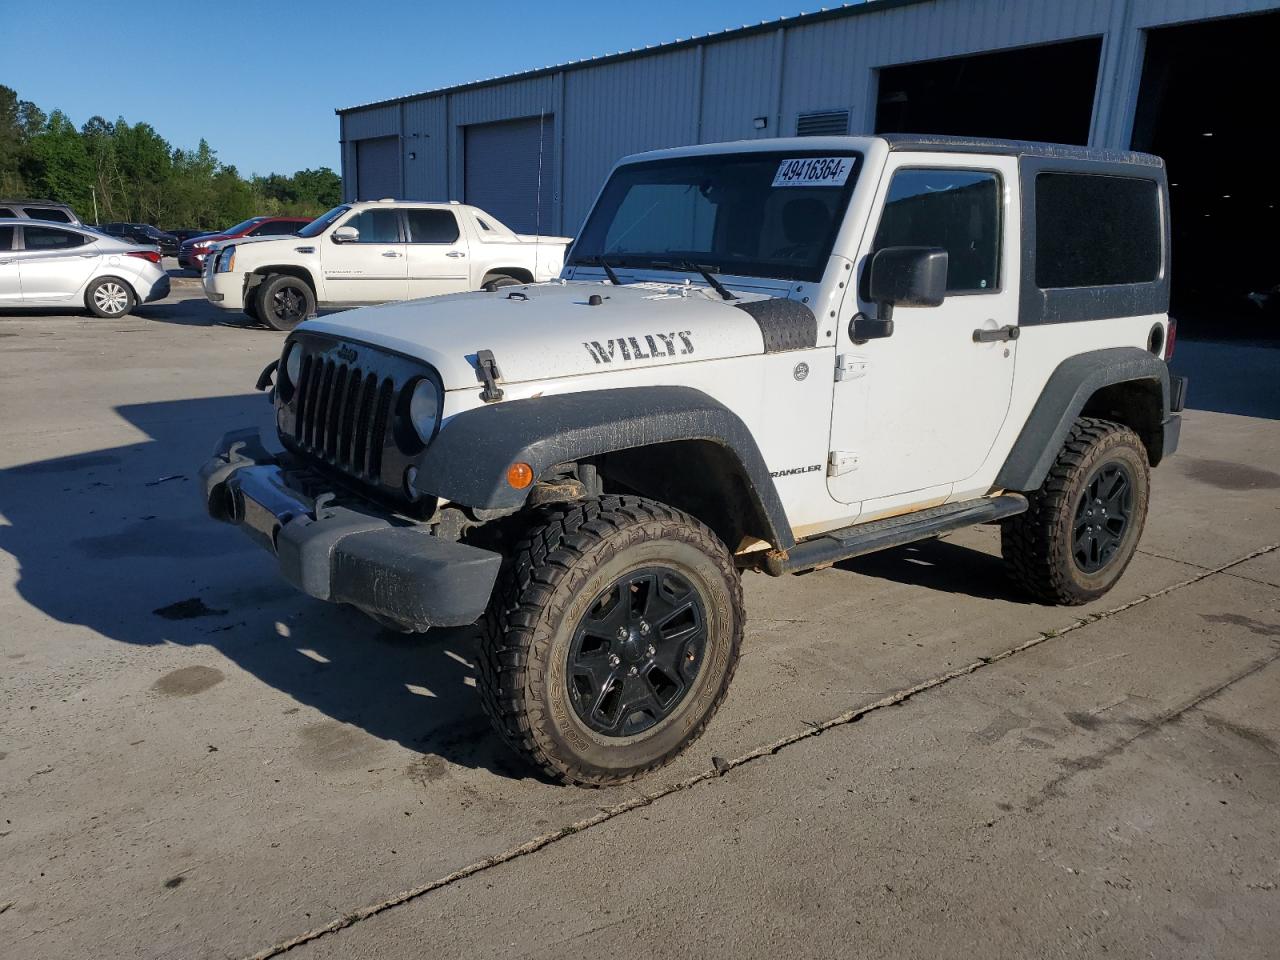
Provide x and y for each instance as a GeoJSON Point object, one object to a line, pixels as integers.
{"type": "Point", "coordinates": [388, 568]}
{"type": "Point", "coordinates": [225, 290]}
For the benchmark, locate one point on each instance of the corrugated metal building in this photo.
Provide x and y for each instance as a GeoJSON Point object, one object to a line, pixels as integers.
{"type": "Point", "coordinates": [1185, 78]}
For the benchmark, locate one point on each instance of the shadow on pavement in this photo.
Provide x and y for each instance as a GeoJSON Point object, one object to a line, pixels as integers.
{"type": "Point", "coordinates": [941, 565]}
{"type": "Point", "coordinates": [116, 540]}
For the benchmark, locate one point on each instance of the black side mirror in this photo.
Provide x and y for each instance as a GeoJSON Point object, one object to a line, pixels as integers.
{"type": "Point", "coordinates": [900, 276]}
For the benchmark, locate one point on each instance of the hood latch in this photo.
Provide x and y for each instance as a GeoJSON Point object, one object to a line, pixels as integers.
{"type": "Point", "coordinates": [490, 374]}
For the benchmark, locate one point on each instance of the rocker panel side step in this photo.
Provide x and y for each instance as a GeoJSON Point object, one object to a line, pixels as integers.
{"type": "Point", "coordinates": [877, 535]}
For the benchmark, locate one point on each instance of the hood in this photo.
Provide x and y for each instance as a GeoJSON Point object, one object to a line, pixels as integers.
{"type": "Point", "coordinates": [552, 330]}
{"type": "Point", "coordinates": [277, 238]}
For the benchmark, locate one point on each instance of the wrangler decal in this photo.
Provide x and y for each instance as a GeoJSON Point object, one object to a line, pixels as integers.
{"type": "Point", "coordinates": [792, 471]}
{"type": "Point", "coordinates": [631, 348]}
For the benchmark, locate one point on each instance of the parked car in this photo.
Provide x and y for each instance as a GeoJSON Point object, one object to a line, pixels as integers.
{"type": "Point", "coordinates": [192, 252]}
{"type": "Point", "coordinates": [47, 264]}
{"type": "Point", "coordinates": [186, 233]}
{"type": "Point", "coordinates": [49, 210]}
{"type": "Point", "coordinates": [765, 355]}
{"type": "Point", "coordinates": [144, 234]}
{"type": "Point", "coordinates": [373, 252]}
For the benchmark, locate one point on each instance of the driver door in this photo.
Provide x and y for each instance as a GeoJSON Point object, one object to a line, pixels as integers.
{"type": "Point", "coordinates": [370, 269]}
{"type": "Point", "coordinates": [917, 412]}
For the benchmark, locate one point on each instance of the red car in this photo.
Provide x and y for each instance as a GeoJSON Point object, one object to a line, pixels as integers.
{"type": "Point", "coordinates": [191, 253]}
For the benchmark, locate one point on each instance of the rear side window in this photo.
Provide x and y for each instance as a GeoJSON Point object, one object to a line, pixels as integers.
{"type": "Point", "coordinates": [957, 210]}
{"type": "Point", "coordinates": [6, 212]}
{"type": "Point", "coordinates": [432, 226]}
{"type": "Point", "coordinates": [1096, 231]}
{"type": "Point", "coordinates": [51, 238]}
{"type": "Point", "coordinates": [278, 228]}
{"type": "Point", "coordinates": [6, 238]}
{"type": "Point", "coordinates": [48, 213]}
{"type": "Point", "coordinates": [377, 226]}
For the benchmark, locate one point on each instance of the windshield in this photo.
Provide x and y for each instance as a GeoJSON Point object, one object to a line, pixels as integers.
{"type": "Point", "coordinates": [320, 223]}
{"type": "Point", "coordinates": [772, 214]}
{"type": "Point", "coordinates": [242, 225]}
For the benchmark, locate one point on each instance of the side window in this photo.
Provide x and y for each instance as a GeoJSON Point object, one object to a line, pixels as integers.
{"type": "Point", "coordinates": [6, 238]}
{"type": "Point", "coordinates": [6, 212]}
{"type": "Point", "coordinates": [432, 226]}
{"type": "Point", "coordinates": [51, 238]}
{"type": "Point", "coordinates": [277, 228]}
{"type": "Point", "coordinates": [483, 226]}
{"type": "Point", "coordinates": [1117, 242]}
{"type": "Point", "coordinates": [48, 213]}
{"type": "Point", "coordinates": [957, 210]}
{"type": "Point", "coordinates": [376, 226]}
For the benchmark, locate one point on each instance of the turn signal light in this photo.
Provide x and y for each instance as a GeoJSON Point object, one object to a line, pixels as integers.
{"type": "Point", "coordinates": [149, 255]}
{"type": "Point", "coordinates": [519, 475]}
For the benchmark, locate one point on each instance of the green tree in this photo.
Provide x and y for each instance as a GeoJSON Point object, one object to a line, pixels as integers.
{"type": "Point", "coordinates": [134, 174]}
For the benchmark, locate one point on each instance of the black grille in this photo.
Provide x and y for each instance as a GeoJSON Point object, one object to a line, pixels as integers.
{"type": "Point", "coordinates": [343, 414]}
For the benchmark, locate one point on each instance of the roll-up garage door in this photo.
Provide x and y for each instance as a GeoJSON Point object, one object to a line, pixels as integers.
{"type": "Point", "coordinates": [378, 168]}
{"type": "Point", "coordinates": [503, 174]}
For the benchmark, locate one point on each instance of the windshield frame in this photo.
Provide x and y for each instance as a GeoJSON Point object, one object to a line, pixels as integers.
{"type": "Point", "coordinates": [811, 270]}
{"type": "Point", "coordinates": [323, 222]}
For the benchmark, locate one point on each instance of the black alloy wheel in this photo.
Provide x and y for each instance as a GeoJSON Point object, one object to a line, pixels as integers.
{"type": "Point", "coordinates": [637, 651]}
{"type": "Point", "coordinates": [1103, 516]}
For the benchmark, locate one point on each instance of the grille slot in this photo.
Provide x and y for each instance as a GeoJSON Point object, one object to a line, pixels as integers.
{"type": "Point", "coordinates": [343, 414]}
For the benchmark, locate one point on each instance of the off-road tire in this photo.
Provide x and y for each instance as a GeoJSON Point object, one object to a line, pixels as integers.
{"type": "Point", "coordinates": [495, 280]}
{"type": "Point", "coordinates": [558, 565]}
{"type": "Point", "coordinates": [1038, 545]}
{"type": "Point", "coordinates": [282, 284]}
{"type": "Point", "coordinates": [110, 298]}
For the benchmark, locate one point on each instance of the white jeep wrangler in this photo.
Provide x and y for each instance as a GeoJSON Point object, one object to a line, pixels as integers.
{"type": "Point", "coordinates": [374, 252]}
{"type": "Point", "coordinates": [768, 355]}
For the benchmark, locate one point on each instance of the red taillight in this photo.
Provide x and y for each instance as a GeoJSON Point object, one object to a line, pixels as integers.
{"type": "Point", "coordinates": [1170, 337]}
{"type": "Point", "coordinates": [148, 255]}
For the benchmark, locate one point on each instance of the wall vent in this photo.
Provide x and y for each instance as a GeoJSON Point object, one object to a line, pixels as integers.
{"type": "Point", "coordinates": [826, 123]}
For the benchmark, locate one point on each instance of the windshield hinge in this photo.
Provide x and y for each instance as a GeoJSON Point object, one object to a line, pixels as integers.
{"type": "Point", "coordinates": [490, 374]}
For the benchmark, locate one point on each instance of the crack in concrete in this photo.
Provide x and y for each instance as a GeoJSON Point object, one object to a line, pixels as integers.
{"type": "Point", "coordinates": [811, 729]}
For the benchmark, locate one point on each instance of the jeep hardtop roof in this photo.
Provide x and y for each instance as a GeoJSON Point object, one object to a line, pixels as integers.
{"type": "Point", "coordinates": [936, 143]}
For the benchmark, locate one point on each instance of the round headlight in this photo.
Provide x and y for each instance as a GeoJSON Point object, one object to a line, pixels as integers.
{"type": "Point", "coordinates": [293, 364]}
{"type": "Point", "coordinates": [424, 407]}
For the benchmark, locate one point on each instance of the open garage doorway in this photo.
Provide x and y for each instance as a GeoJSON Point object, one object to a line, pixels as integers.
{"type": "Point", "coordinates": [1044, 92]}
{"type": "Point", "coordinates": [1206, 104]}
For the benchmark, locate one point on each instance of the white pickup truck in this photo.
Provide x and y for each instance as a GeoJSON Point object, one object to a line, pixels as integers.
{"type": "Point", "coordinates": [375, 252]}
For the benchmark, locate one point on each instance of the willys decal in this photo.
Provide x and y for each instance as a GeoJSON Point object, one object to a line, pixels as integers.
{"type": "Point", "coordinates": [641, 347]}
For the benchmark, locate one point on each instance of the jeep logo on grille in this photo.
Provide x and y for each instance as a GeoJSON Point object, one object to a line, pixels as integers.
{"type": "Point", "coordinates": [346, 354]}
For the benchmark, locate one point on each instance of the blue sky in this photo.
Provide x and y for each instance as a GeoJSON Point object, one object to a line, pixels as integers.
{"type": "Point", "coordinates": [260, 80]}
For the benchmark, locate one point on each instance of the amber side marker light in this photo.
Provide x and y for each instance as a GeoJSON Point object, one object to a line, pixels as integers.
{"type": "Point", "coordinates": [519, 475]}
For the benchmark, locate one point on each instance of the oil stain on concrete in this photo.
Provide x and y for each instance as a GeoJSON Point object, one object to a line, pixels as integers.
{"type": "Point", "coordinates": [1229, 475]}
{"type": "Point", "coordinates": [187, 681]}
{"type": "Point", "coordinates": [334, 746]}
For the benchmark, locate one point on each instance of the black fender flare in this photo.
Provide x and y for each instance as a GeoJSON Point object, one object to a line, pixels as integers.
{"type": "Point", "coordinates": [468, 459]}
{"type": "Point", "coordinates": [1061, 401]}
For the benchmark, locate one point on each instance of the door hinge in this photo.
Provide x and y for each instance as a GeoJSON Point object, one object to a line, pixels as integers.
{"type": "Point", "coordinates": [840, 462]}
{"type": "Point", "coordinates": [851, 368]}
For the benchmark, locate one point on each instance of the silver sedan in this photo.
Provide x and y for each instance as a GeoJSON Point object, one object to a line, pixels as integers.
{"type": "Point", "coordinates": [54, 264]}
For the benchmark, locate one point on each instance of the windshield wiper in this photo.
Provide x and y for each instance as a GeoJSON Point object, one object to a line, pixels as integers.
{"type": "Point", "coordinates": [688, 266]}
{"type": "Point", "coordinates": [600, 262]}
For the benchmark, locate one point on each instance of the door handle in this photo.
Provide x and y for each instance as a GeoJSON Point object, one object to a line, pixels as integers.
{"type": "Point", "coordinates": [992, 336]}
{"type": "Point", "coordinates": [392, 253]}
{"type": "Point", "coordinates": [455, 254]}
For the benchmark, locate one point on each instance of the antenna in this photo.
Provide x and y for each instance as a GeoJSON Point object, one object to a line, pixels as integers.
{"type": "Point", "coordinates": [537, 213]}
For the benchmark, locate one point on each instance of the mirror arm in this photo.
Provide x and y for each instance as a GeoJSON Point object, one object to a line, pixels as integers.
{"type": "Point", "coordinates": [863, 328]}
